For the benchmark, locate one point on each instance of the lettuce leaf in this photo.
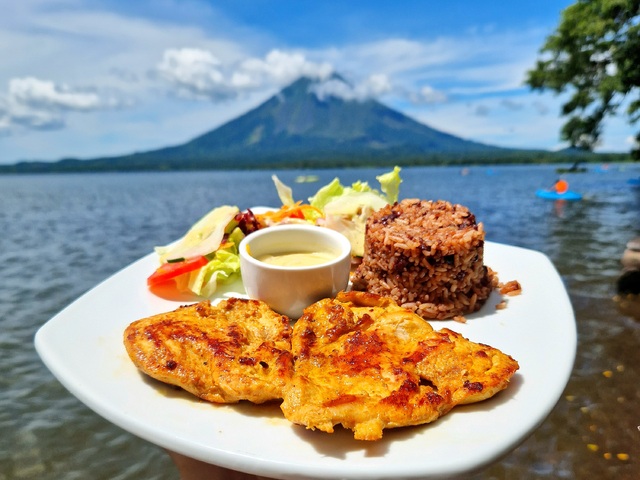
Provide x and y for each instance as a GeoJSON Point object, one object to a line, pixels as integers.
{"type": "Point", "coordinates": [390, 184]}
{"type": "Point", "coordinates": [284, 192]}
{"type": "Point", "coordinates": [326, 194]}
{"type": "Point", "coordinates": [223, 268]}
{"type": "Point", "coordinates": [346, 209]}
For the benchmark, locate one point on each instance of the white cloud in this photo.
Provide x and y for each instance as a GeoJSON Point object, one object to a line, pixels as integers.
{"type": "Point", "coordinates": [34, 103]}
{"type": "Point", "coordinates": [19, 116]}
{"type": "Point", "coordinates": [487, 120]}
{"type": "Point", "coordinates": [372, 87]}
{"type": "Point", "coordinates": [462, 65]}
{"type": "Point", "coordinates": [397, 55]}
{"type": "Point", "coordinates": [36, 93]}
{"type": "Point", "coordinates": [284, 67]}
{"type": "Point", "coordinates": [201, 74]}
{"type": "Point", "coordinates": [46, 46]}
{"type": "Point", "coordinates": [193, 71]}
{"type": "Point", "coordinates": [428, 95]}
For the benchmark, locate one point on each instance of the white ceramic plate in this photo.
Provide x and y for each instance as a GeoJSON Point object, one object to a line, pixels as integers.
{"type": "Point", "coordinates": [82, 346]}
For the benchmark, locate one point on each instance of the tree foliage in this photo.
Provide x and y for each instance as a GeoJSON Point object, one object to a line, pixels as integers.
{"type": "Point", "coordinates": [594, 55]}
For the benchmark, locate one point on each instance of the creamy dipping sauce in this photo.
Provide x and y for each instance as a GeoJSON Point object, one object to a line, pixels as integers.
{"type": "Point", "coordinates": [298, 259]}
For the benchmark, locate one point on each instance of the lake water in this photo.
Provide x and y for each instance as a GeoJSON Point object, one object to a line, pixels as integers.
{"type": "Point", "coordinates": [60, 235]}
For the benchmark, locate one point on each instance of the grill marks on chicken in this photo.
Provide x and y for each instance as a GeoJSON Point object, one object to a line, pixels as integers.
{"type": "Point", "coordinates": [237, 350]}
{"type": "Point", "coordinates": [363, 362]}
{"type": "Point", "coordinates": [359, 360]}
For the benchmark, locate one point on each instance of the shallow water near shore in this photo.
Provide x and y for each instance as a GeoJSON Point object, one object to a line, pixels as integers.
{"type": "Point", "coordinates": [63, 234]}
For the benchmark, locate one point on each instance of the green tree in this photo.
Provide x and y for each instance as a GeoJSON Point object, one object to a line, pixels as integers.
{"type": "Point", "coordinates": [594, 55]}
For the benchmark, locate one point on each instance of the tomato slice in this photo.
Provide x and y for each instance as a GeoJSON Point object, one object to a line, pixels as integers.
{"type": "Point", "coordinates": [167, 271]}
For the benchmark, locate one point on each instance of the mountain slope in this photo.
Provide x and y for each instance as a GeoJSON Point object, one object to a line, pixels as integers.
{"type": "Point", "coordinates": [297, 122]}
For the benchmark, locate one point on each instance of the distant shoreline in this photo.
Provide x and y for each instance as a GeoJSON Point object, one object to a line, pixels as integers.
{"type": "Point", "coordinates": [134, 163]}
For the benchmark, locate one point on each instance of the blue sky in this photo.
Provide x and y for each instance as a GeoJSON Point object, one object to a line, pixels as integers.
{"type": "Point", "coordinates": [88, 78]}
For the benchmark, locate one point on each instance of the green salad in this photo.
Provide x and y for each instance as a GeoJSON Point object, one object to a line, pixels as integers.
{"type": "Point", "coordinates": [207, 255]}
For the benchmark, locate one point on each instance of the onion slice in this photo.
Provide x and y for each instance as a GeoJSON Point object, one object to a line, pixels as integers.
{"type": "Point", "coordinates": [203, 238]}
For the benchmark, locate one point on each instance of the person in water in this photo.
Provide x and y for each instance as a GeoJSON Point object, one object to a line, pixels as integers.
{"type": "Point", "coordinates": [561, 186]}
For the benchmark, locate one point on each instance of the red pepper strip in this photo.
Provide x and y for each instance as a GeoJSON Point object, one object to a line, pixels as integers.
{"type": "Point", "coordinates": [167, 271]}
{"type": "Point", "coordinates": [290, 211]}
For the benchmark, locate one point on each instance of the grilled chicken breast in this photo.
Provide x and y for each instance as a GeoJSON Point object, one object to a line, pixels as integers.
{"type": "Point", "coordinates": [236, 350]}
{"type": "Point", "coordinates": [366, 363]}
